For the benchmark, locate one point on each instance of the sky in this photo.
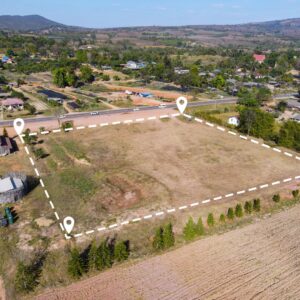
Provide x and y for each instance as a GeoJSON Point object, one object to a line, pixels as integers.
{"type": "Point", "coordinates": [119, 13]}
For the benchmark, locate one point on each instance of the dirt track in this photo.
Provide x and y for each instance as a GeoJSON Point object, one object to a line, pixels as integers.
{"type": "Point", "coordinates": [260, 261]}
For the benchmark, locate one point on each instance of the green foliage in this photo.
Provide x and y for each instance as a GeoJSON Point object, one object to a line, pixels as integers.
{"type": "Point", "coordinates": [256, 205]}
{"type": "Point", "coordinates": [121, 252]}
{"type": "Point", "coordinates": [29, 139]}
{"type": "Point", "coordinates": [295, 193]}
{"type": "Point", "coordinates": [168, 236]}
{"type": "Point", "coordinates": [92, 256]}
{"type": "Point", "coordinates": [26, 278]}
{"type": "Point", "coordinates": [75, 264]}
{"type": "Point", "coordinates": [222, 218]}
{"type": "Point", "coordinates": [276, 198]}
{"type": "Point", "coordinates": [189, 231]}
{"type": "Point", "coordinates": [257, 123]}
{"type": "Point", "coordinates": [248, 207]}
{"type": "Point", "coordinates": [104, 256]}
{"type": "Point", "coordinates": [158, 242]}
{"type": "Point", "coordinates": [30, 108]}
{"type": "Point", "coordinates": [60, 77]}
{"type": "Point", "coordinates": [200, 230]}
{"type": "Point", "coordinates": [238, 210]}
{"type": "Point", "coordinates": [86, 74]}
{"type": "Point", "coordinates": [289, 135]}
{"type": "Point", "coordinates": [281, 106]}
{"type": "Point", "coordinates": [218, 82]}
{"type": "Point", "coordinates": [230, 213]}
{"type": "Point", "coordinates": [39, 153]}
{"type": "Point", "coordinates": [210, 220]}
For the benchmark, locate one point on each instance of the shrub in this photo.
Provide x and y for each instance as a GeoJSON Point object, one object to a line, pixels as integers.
{"type": "Point", "coordinates": [222, 218]}
{"type": "Point", "coordinates": [295, 193]}
{"type": "Point", "coordinates": [189, 231]}
{"type": "Point", "coordinates": [256, 205]}
{"type": "Point", "coordinates": [230, 213]}
{"type": "Point", "coordinates": [276, 198]}
{"type": "Point", "coordinates": [199, 227]}
{"type": "Point", "coordinates": [239, 210]}
{"type": "Point", "coordinates": [168, 236]}
{"type": "Point", "coordinates": [121, 252]}
{"type": "Point", "coordinates": [75, 264]}
{"type": "Point", "coordinates": [210, 220]}
{"type": "Point", "coordinates": [158, 243]}
{"type": "Point", "coordinates": [248, 207]}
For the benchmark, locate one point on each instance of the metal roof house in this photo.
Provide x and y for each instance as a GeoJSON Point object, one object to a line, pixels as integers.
{"type": "Point", "coordinates": [12, 187]}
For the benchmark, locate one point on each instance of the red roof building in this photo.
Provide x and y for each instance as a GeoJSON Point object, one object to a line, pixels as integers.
{"type": "Point", "coordinates": [260, 58]}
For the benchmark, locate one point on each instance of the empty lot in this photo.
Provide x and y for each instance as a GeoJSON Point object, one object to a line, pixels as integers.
{"type": "Point", "coordinates": [121, 172]}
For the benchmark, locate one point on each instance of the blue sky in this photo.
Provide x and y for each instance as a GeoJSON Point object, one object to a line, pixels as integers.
{"type": "Point", "coordinates": [116, 13]}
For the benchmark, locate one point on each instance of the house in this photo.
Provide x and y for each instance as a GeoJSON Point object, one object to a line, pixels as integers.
{"type": "Point", "coordinates": [6, 146]}
{"type": "Point", "coordinates": [233, 121]}
{"type": "Point", "coordinates": [260, 58]}
{"type": "Point", "coordinates": [293, 104]}
{"type": "Point", "coordinates": [296, 118]}
{"type": "Point", "coordinates": [145, 95]}
{"type": "Point", "coordinates": [12, 187]}
{"type": "Point", "coordinates": [6, 60]}
{"type": "Point", "coordinates": [11, 104]}
{"type": "Point", "coordinates": [132, 65]}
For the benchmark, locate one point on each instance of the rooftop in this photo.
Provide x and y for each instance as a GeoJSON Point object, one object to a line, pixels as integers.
{"type": "Point", "coordinates": [8, 184]}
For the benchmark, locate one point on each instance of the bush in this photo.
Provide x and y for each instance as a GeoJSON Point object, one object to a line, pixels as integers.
{"type": "Point", "coordinates": [276, 198]}
{"type": "Point", "coordinates": [239, 210]}
{"type": "Point", "coordinates": [230, 213]}
{"type": "Point", "coordinates": [248, 207]}
{"type": "Point", "coordinates": [256, 205]}
{"type": "Point", "coordinates": [75, 264]}
{"type": "Point", "coordinates": [295, 193]}
{"type": "Point", "coordinates": [189, 231]}
{"type": "Point", "coordinates": [222, 218]}
{"type": "Point", "coordinates": [168, 236]}
{"type": "Point", "coordinates": [158, 243]}
{"type": "Point", "coordinates": [200, 227]}
{"type": "Point", "coordinates": [210, 220]}
{"type": "Point", "coordinates": [121, 252]}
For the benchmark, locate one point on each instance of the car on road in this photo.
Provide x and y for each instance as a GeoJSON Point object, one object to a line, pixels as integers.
{"type": "Point", "coordinates": [136, 109]}
{"type": "Point", "coordinates": [162, 105]}
{"type": "Point", "coordinates": [93, 113]}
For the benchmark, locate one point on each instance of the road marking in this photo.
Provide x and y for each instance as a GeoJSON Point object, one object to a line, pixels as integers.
{"type": "Point", "coordinates": [164, 117]}
{"type": "Point", "coordinates": [148, 217]}
{"type": "Point", "coordinates": [103, 124]}
{"type": "Point", "coordinates": [51, 204]}
{"type": "Point", "coordinates": [56, 130]}
{"type": "Point", "coordinates": [229, 195]}
{"type": "Point", "coordinates": [113, 226]}
{"type": "Point", "coordinates": [277, 150]}
{"type": "Point", "coordinates": [198, 120]}
{"type": "Point", "coordinates": [31, 161]}
{"type": "Point", "coordinates": [45, 132]}
{"type": "Point", "coordinates": [26, 149]}
{"type": "Point", "coordinates": [125, 223]}
{"type": "Point", "coordinates": [92, 126]}
{"type": "Point", "coordinates": [218, 198]}
{"type": "Point", "coordinates": [42, 183]}
{"type": "Point", "coordinates": [69, 129]}
{"type": "Point", "coordinates": [140, 120]}
{"type": "Point", "coordinates": [136, 220]}
{"type": "Point", "coordinates": [221, 128]}
{"type": "Point", "coordinates": [80, 127]}
{"type": "Point", "coordinates": [47, 194]}
{"type": "Point", "coordinates": [275, 182]}
{"type": "Point", "coordinates": [288, 154]}
{"type": "Point", "coordinates": [36, 172]}
{"type": "Point", "coordinates": [160, 213]}
{"type": "Point", "coordinates": [183, 207]}
{"type": "Point", "coordinates": [231, 132]}
{"type": "Point", "coordinates": [209, 124]}
{"type": "Point", "coordinates": [56, 215]}
{"type": "Point", "coordinates": [194, 204]}
{"type": "Point", "coordinates": [252, 189]}
{"type": "Point", "coordinates": [263, 186]}
{"type": "Point", "coordinates": [101, 229]}
{"type": "Point", "coordinates": [243, 137]}
{"type": "Point", "coordinates": [254, 141]}
{"type": "Point", "coordinates": [206, 201]}
{"type": "Point", "coordinates": [128, 121]}
{"type": "Point", "coordinates": [152, 118]}
{"type": "Point", "coordinates": [188, 116]}
{"type": "Point", "coordinates": [287, 180]}
{"type": "Point", "coordinates": [171, 210]}
{"type": "Point", "coordinates": [241, 192]}
{"type": "Point", "coordinates": [265, 146]}
{"type": "Point", "coordinates": [116, 123]}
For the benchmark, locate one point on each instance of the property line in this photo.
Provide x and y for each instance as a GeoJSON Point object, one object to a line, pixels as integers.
{"type": "Point", "coordinates": [184, 207]}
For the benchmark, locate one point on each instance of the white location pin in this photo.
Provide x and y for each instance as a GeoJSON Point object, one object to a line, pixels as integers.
{"type": "Point", "coordinates": [19, 126]}
{"type": "Point", "coordinates": [181, 104]}
{"type": "Point", "coordinates": [69, 224]}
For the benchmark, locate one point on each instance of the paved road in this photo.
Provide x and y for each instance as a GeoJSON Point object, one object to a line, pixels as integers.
{"type": "Point", "coordinates": [73, 116]}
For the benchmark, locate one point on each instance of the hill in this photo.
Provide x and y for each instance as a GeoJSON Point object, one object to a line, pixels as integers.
{"type": "Point", "coordinates": [28, 23]}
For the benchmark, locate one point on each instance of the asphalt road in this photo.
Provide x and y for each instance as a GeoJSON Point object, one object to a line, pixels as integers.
{"type": "Point", "coordinates": [73, 116]}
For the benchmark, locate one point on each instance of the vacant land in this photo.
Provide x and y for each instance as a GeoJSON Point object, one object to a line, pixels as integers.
{"type": "Point", "coordinates": [259, 261]}
{"type": "Point", "coordinates": [122, 172]}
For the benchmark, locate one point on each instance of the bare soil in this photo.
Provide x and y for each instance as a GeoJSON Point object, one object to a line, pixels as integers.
{"type": "Point", "coordinates": [260, 261]}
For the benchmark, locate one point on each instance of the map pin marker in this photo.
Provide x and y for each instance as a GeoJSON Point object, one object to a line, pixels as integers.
{"type": "Point", "coordinates": [69, 224]}
{"type": "Point", "coordinates": [19, 126]}
{"type": "Point", "coordinates": [181, 103]}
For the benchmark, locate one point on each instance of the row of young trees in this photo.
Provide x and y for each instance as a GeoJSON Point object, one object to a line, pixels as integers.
{"type": "Point", "coordinates": [97, 257]}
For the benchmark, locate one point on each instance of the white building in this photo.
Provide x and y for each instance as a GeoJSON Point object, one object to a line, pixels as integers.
{"type": "Point", "coordinates": [233, 121]}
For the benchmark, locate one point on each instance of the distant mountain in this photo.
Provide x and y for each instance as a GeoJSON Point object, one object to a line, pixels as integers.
{"type": "Point", "coordinates": [28, 23]}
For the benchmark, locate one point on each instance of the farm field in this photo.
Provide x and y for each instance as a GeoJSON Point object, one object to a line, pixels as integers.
{"type": "Point", "coordinates": [118, 173]}
{"type": "Point", "coordinates": [259, 261]}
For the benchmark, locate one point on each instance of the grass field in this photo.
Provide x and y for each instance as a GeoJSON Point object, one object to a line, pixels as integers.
{"type": "Point", "coordinates": [116, 173]}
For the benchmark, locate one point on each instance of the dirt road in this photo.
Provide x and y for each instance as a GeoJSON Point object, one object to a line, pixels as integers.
{"type": "Point", "coordinates": [260, 261]}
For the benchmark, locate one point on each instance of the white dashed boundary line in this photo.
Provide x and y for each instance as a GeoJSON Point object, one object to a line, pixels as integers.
{"type": "Point", "coordinates": [170, 210]}
{"type": "Point", "coordinates": [185, 207]}
{"type": "Point", "coordinates": [41, 182]}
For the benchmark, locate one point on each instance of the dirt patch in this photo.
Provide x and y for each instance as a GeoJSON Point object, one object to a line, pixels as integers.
{"type": "Point", "coordinates": [44, 222]}
{"type": "Point", "coordinates": [260, 261]}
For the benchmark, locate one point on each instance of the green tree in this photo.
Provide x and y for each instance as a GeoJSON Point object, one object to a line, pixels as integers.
{"type": "Point", "coordinates": [295, 193]}
{"type": "Point", "coordinates": [92, 256]}
{"type": "Point", "coordinates": [222, 218]}
{"type": "Point", "coordinates": [281, 106]}
{"type": "Point", "coordinates": [121, 252]}
{"type": "Point", "coordinates": [230, 213]}
{"type": "Point", "coordinates": [86, 74]}
{"type": "Point", "coordinates": [248, 207]}
{"type": "Point", "coordinates": [168, 236]}
{"type": "Point", "coordinates": [256, 205]}
{"type": "Point", "coordinates": [218, 82]}
{"type": "Point", "coordinates": [158, 242]}
{"type": "Point", "coordinates": [276, 198]}
{"type": "Point", "coordinates": [104, 256]}
{"type": "Point", "coordinates": [189, 231]}
{"type": "Point", "coordinates": [75, 264]}
{"type": "Point", "coordinates": [26, 279]}
{"type": "Point", "coordinates": [60, 77]}
{"type": "Point", "coordinates": [239, 210]}
{"type": "Point", "coordinates": [39, 153]}
{"type": "Point", "coordinates": [210, 220]}
{"type": "Point", "coordinates": [200, 230]}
